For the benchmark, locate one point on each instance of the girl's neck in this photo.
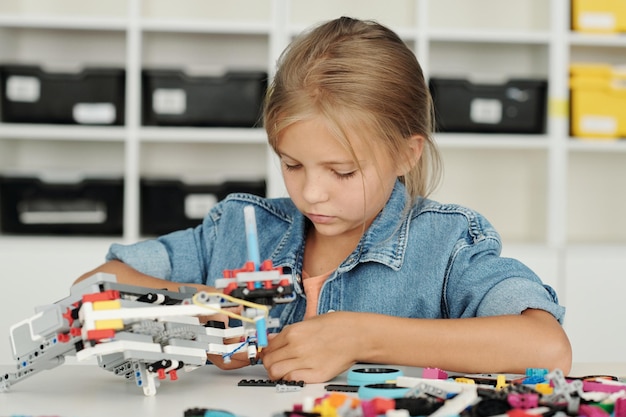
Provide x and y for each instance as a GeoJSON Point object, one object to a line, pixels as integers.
{"type": "Point", "coordinates": [326, 253]}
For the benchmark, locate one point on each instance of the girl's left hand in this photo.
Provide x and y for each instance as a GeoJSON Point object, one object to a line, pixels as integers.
{"type": "Point", "coordinates": [238, 359]}
{"type": "Point", "coordinates": [314, 350]}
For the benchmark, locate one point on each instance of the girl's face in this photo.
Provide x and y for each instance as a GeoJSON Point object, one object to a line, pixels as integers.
{"type": "Point", "coordinates": [326, 184]}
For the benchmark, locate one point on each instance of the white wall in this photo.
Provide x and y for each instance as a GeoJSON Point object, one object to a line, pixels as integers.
{"type": "Point", "coordinates": [37, 272]}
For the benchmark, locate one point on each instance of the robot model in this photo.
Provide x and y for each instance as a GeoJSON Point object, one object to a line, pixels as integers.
{"type": "Point", "coordinates": [147, 335]}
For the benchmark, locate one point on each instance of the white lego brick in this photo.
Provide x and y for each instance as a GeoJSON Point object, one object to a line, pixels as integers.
{"type": "Point", "coordinates": [219, 349]}
{"type": "Point", "coordinates": [89, 316]}
{"type": "Point", "coordinates": [258, 276]}
{"type": "Point", "coordinates": [106, 348]}
{"type": "Point", "coordinates": [225, 333]}
{"type": "Point", "coordinates": [186, 351]}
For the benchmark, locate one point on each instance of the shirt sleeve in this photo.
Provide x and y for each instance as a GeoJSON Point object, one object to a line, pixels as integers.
{"type": "Point", "coordinates": [179, 256]}
{"type": "Point", "coordinates": [514, 295]}
{"type": "Point", "coordinates": [479, 282]}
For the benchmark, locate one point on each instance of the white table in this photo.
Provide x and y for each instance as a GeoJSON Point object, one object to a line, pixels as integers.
{"type": "Point", "coordinates": [88, 391]}
{"type": "Point", "coordinates": [85, 390]}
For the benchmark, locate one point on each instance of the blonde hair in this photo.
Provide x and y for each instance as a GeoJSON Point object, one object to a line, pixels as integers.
{"type": "Point", "coordinates": [362, 78]}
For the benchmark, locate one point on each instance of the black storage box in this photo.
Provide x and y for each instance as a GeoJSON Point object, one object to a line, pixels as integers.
{"type": "Point", "coordinates": [169, 204]}
{"type": "Point", "coordinates": [172, 98]}
{"type": "Point", "coordinates": [517, 106]}
{"type": "Point", "coordinates": [93, 96]}
{"type": "Point", "coordinates": [31, 205]}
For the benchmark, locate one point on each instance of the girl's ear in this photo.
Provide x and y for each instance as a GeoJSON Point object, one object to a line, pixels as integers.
{"type": "Point", "coordinates": [413, 154]}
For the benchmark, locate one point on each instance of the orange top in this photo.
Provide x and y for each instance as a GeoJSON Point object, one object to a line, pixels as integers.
{"type": "Point", "coordinates": [312, 287]}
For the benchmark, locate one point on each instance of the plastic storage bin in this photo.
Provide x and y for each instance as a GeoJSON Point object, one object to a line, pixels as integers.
{"type": "Point", "coordinates": [34, 205]}
{"type": "Point", "coordinates": [171, 204]}
{"type": "Point", "coordinates": [516, 106]}
{"type": "Point", "coordinates": [93, 96]}
{"type": "Point", "coordinates": [598, 101]}
{"type": "Point", "coordinates": [173, 98]}
{"type": "Point", "coordinates": [606, 16]}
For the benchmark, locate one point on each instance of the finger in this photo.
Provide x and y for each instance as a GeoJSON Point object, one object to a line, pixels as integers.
{"type": "Point", "coordinates": [274, 353]}
{"type": "Point", "coordinates": [281, 370]}
{"type": "Point", "coordinates": [234, 309]}
{"type": "Point", "coordinates": [309, 376]}
{"type": "Point", "coordinates": [238, 360]}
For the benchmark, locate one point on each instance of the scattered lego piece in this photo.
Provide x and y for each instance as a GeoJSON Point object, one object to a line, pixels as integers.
{"type": "Point", "coordinates": [344, 388]}
{"type": "Point", "coordinates": [268, 383]}
{"type": "Point", "coordinates": [434, 373]}
{"type": "Point", "coordinates": [501, 382]}
{"type": "Point", "coordinates": [443, 398]}
{"type": "Point", "coordinates": [523, 400]}
{"type": "Point", "coordinates": [588, 410]}
{"type": "Point", "coordinates": [620, 407]}
{"type": "Point", "coordinates": [206, 412]}
{"type": "Point", "coordinates": [462, 380]}
{"type": "Point", "coordinates": [569, 393]}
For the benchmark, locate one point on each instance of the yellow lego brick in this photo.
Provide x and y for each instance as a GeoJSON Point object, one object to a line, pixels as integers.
{"type": "Point", "coordinates": [501, 382]}
{"type": "Point", "coordinates": [544, 388]}
{"type": "Point", "coordinates": [464, 380]}
{"type": "Point", "coordinates": [116, 324]}
{"type": "Point", "coordinates": [107, 305]}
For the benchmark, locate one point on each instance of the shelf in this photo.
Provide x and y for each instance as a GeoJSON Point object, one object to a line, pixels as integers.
{"type": "Point", "coordinates": [57, 22]}
{"type": "Point", "coordinates": [119, 133]}
{"type": "Point", "coordinates": [596, 145]}
{"type": "Point", "coordinates": [62, 132]}
{"type": "Point", "coordinates": [13, 241]}
{"type": "Point", "coordinates": [585, 39]}
{"type": "Point", "coordinates": [489, 36]}
{"type": "Point", "coordinates": [203, 135]}
{"type": "Point", "coordinates": [491, 141]}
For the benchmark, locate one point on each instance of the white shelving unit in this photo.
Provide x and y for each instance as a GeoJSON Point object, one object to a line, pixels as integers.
{"type": "Point", "coordinates": [557, 201]}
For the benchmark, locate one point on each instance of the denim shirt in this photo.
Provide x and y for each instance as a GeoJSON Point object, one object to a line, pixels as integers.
{"type": "Point", "coordinates": [431, 261]}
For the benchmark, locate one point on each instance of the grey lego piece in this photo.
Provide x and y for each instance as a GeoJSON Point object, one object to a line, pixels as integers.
{"type": "Point", "coordinates": [133, 337]}
{"type": "Point", "coordinates": [149, 327]}
{"type": "Point", "coordinates": [150, 357]}
{"type": "Point", "coordinates": [50, 321]}
{"type": "Point", "coordinates": [22, 341]}
{"type": "Point", "coordinates": [112, 362]}
{"type": "Point", "coordinates": [187, 343]}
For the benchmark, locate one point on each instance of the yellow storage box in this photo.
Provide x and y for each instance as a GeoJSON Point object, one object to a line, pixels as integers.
{"type": "Point", "coordinates": [598, 101]}
{"type": "Point", "coordinates": [603, 16]}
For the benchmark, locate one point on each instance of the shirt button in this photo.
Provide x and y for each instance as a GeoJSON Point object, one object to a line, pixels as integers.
{"type": "Point", "coordinates": [331, 311]}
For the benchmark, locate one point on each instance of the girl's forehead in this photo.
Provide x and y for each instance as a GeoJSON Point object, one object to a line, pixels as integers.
{"type": "Point", "coordinates": [318, 131]}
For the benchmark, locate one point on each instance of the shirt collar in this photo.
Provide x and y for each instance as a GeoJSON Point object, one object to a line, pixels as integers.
{"type": "Point", "coordinates": [384, 241]}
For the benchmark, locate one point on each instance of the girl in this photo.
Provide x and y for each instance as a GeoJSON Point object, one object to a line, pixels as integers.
{"type": "Point", "coordinates": [382, 274]}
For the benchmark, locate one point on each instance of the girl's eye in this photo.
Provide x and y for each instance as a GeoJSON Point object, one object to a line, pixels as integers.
{"type": "Point", "coordinates": [337, 174]}
{"type": "Point", "coordinates": [291, 167]}
{"type": "Point", "coordinates": [344, 175]}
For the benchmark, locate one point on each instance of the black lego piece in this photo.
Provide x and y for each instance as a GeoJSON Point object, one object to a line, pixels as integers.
{"type": "Point", "coordinates": [268, 383]}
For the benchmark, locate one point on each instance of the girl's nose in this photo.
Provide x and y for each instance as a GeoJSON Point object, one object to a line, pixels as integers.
{"type": "Point", "coordinates": [313, 190]}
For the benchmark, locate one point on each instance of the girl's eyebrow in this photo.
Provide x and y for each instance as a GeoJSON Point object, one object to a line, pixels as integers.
{"type": "Point", "coordinates": [330, 162]}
